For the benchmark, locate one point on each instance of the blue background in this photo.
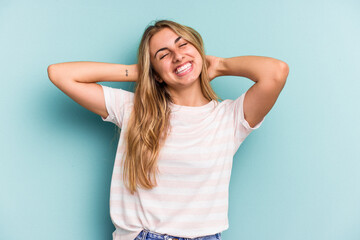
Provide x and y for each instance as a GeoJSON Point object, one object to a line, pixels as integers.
{"type": "Point", "coordinates": [296, 177]}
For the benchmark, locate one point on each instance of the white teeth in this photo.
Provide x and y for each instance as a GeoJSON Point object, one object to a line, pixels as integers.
{"type": "Point", "coordinates": [183, 68]}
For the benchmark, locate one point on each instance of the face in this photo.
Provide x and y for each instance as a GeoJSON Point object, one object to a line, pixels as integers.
{"type": "Point", "coordinates": [177, 62]}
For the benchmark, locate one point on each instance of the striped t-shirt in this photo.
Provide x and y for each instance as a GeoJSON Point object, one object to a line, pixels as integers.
{"type": "Point", "coordinates": [191, 198]}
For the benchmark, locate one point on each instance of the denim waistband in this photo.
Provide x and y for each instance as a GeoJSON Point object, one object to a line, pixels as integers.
{"type": "Point", "coordinates": [145, 233]}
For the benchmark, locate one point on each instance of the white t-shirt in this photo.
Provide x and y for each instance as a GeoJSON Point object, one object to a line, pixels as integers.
{"type": "Point", "coordinates": [191, 198]}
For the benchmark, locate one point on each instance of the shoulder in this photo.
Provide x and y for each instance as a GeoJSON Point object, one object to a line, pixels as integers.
{"type": "Point", "coordinates": [230, 104]}
{"type": "Point", "coordinates": [118, 93]}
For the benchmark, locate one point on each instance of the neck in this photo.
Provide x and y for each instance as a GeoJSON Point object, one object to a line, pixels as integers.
{"type": "Point", "coordinates": [191, 96]}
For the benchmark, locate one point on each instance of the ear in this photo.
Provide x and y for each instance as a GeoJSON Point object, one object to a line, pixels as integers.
{"type": "Point", "coordinates": [155, 74]}
{"type": "Point", "coordinates": [157, 78]}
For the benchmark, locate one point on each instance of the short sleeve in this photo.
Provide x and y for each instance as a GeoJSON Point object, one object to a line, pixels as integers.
{"type": "Point", "coordinates": [242, 127]}
{"type": "Point", "coordinates": [117, 101]}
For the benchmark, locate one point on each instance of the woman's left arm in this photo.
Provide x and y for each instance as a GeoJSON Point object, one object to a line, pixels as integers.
{"type": "Point", "coordinates": [269, 75]}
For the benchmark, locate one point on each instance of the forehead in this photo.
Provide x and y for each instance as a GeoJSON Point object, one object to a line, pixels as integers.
{"type": "Point", "coordinates": [164, 38]}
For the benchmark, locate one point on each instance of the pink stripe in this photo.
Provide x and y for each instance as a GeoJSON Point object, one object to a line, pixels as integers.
{"type": "Point", "coordinates": [173, 224]}
{"type": "Point", "coordinates": [189, 170]}
{"type": "Point", "coordinates": [196, 185]}
{"type": "Point", "coordinates": [170, 213]}
{"type": "Point", "coordinates": [121, 190]}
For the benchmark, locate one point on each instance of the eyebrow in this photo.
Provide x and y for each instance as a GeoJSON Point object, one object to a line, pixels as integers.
{"type": "Point", "coordinates": [162, 49]}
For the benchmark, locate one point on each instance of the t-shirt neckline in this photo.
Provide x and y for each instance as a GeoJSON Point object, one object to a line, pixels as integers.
{"type": "Point", "coordinates": [206, 106]}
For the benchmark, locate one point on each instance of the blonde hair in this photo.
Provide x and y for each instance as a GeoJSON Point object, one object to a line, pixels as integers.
{"type": "Point", "coordinates": [148, 125]}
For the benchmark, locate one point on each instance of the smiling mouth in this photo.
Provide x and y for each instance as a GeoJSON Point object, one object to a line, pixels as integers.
{"type": "Point", "coordinates": [183, 69]}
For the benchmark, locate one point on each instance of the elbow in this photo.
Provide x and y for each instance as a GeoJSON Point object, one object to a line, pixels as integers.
{"type": "Point", "coordinates": [53, 73]}
{"type": "Point", "coordinates": [50, 72]}
{"type": "Point", "coordinates": [282, 72]}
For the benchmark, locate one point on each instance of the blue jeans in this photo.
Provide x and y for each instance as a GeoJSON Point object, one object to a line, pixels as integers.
{"type": "Point", "coordinates": [149, 235]}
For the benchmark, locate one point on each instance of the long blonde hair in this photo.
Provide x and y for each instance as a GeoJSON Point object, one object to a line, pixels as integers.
{"type": "Point", "coordinates": [148, 125]}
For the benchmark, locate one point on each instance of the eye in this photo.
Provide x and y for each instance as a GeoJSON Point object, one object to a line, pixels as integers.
{"type": "Point", "coordinates": [163, 56]}
{"type": "Point", "coordinates": [183, 44]}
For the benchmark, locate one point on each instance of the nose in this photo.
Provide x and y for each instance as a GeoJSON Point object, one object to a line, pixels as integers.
{"type": "Point", "coordinates": [178, 56]}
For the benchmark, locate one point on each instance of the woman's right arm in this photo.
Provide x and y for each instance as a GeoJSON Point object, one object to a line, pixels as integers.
{"type": "Point", "coordinates": [78, 81]}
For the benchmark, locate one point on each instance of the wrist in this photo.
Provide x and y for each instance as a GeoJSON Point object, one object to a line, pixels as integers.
{"type": "Point", "coordinates": [221, 67]}
{"type": "Point", "coordinates": [133, 72]}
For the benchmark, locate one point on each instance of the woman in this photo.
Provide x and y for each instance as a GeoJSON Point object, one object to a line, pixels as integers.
{"type": "Point", "coordinates": [173, 163]}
